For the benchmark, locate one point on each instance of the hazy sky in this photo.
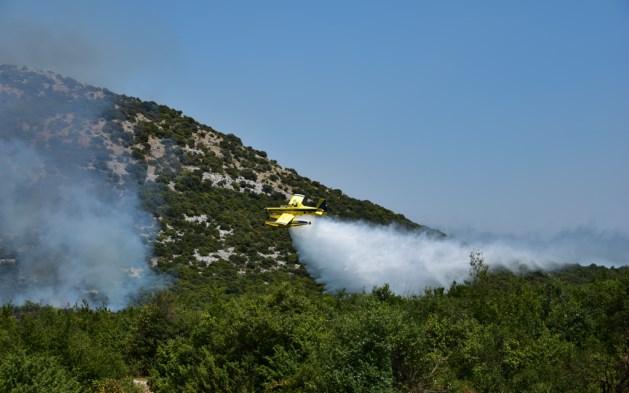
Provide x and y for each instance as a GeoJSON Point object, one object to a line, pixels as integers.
{"type": "Point", "coordinates": [506, 116]}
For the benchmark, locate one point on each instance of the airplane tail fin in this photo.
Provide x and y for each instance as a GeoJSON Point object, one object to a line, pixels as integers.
{"type": "Point", "coordinates": [323, 205]}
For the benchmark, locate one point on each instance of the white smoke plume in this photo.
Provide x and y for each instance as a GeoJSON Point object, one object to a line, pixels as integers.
{"type": "Point", "coordinates": [358, 256]}
{"type": "Point", "coordinates": [69, 237]}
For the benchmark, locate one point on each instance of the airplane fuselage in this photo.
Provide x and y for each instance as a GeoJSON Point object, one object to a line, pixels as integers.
{"type": "Point", "coordinates": [286, 215]}
{"type": "Point", "coordinates": [275, 213]}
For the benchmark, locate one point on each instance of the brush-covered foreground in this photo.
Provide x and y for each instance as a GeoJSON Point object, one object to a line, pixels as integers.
{"type": "Point", "coordinates": [563, 331]}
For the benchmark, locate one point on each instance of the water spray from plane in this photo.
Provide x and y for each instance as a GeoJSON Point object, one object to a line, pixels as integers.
{"type": "Point", "coordinates": [358, 256]}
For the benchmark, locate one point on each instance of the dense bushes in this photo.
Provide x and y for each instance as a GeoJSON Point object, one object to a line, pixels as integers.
{"type": "Point", "coordinates": [36, 373]}
{"type": "Point", "coordinates": [498, 332]}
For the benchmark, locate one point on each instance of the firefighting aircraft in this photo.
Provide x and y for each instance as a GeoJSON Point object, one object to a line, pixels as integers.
{"type": "Point", "coordinates": [284, 216]}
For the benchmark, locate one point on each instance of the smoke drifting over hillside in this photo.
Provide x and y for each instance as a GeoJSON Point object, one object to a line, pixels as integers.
{"type": "Point", "coordinates": [71, 225]}
{"type": "Point", "coordinates": [358, 256]}
{"type": "Point", "coordinates": [71, 237]}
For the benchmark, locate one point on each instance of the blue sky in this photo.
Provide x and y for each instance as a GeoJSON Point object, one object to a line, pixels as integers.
{"type": "Point", "coordinates": [504, 116]}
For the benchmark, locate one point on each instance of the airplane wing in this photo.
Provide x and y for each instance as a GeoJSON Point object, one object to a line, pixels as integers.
{"type": "Point", "coordinates": [284, 219]}
{"type": "Point", "coordinates": [296, 200]}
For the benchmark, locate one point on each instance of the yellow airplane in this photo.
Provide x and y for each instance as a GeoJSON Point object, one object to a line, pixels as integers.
{"type": "Point", "coordinates": [284, 216]}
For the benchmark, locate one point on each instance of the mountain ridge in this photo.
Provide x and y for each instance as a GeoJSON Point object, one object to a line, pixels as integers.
{"type": "Point", "coordinates": [205, 188]}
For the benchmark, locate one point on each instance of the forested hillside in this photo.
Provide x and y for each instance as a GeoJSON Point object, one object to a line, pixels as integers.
{"type": "Point", "coordinates": [238, 312]}
{"type": "Point", "coordinates": [205, 188]}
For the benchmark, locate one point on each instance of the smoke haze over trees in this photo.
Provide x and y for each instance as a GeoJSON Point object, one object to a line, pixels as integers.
{"type": "Point", "coordinates": [69, 230]}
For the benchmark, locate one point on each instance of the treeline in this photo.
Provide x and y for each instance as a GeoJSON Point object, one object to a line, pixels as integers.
{"type": "Point", "coordinates": [499, 332]}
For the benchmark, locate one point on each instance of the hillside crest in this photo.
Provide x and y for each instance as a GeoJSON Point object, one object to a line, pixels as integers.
{"type": "Point", "coordinates": [205, 188]}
